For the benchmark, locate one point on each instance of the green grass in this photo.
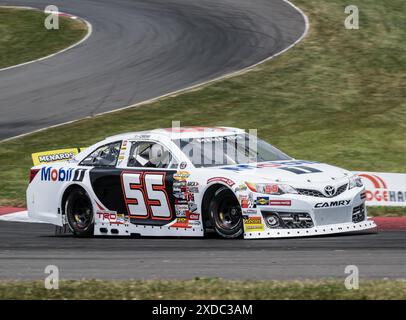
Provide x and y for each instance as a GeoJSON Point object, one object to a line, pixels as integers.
{"type": "Point", "coordinates": [23, 36]}
{"type": "Point", "coordinates": [207, 289]}
{"type": "Point", "coordinates": [337, 97]}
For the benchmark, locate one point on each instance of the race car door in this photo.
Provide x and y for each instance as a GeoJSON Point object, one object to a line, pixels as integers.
{"type": "Point", "coordinates": [147, 183]}
{"type": "Point", "coordinates": [141, 185]}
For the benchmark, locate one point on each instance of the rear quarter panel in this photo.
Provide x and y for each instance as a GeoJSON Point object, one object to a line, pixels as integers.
{"type": "Point", "coordinates": [44, 193]}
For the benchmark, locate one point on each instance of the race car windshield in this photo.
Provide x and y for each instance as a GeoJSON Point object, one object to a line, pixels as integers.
{"type": "Point", "coordinates": [228, 150]}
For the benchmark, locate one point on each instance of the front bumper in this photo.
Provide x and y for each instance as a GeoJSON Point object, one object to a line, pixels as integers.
{"type": "Point", "coordinates": [326, 215]}
{"type": "Point", "coordinates": [315, 231]}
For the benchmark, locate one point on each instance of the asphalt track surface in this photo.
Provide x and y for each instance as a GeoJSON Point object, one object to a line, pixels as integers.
{"type": "Point", "coordinates": [141, 49]}
{"type": "Point", "coordinates": [26, 249]}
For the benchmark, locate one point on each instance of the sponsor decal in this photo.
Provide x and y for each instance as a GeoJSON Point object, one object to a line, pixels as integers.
{"type": "Point", "coordinates": [341, 203]}
{"type": "Point", "coordinates": [262, 201]}
{"type": "Point", "coordinates": [220, 139]}
{"type": "Point", "coordinates": [192, 206]}
{"type": "Point", "coordinates": [247, 201]}
{"type": "Point", "coordinates": [193, 189]}
{"type": "Point", "coordinates": [250, 211]}
{"type": "Point", "coordinates": [55, 155]}
{"type": "Point", "coordinates": [141, 136]}
{"type": "Point", "coordinates": [181, 223]}
{"type": "Point", "coordinates": [192, 183]}
{"type": "Point", "coordinates": [253, 224]}
{"type": "Point", "coordinates": [181, 195]}
{"type": "Point", "coordinates": [194, 216]}
{"type": "Point", "coordinates": [180, 189]}
{"type": "Point", "coordinates": [181, 175]}
{"type": "Point", "coordinates": [111, 217]}
{"type": "Point", "coordinates": [179, 184]}
{"type": "Point", "coordinates": [244, 201]}
{"type": "Point", "coordinates": [181, 210]}
{"type": "Point", "coordinates": [191, 197]}
{"type": "Point", "coordinates": [241, 187]}
{"type": "Point", "coordinates": [227, 181]}
{"type": "Point", "coordinates": [183, 165]}
{"type": "Point", "coordinates": [280, 202]}
{"type": "Point", "coordinates": [181, 201]}
{"type": "Point", "coordinates": [61, 174]}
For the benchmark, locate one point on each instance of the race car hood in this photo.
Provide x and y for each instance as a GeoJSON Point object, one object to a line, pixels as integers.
{"type": "Point", "coordinates": [294, 172]}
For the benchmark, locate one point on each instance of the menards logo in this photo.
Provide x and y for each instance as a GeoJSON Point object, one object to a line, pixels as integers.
{"type": "Point", "coordinates": [382, 192]}
{"type": "Point", "coordinates": [56, 157]}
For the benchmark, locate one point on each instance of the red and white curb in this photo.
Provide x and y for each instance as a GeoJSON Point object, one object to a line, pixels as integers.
{"type": "Point", "coordinates": [390, 223]}
{"type": "Point", "coordinates": [13, 214]}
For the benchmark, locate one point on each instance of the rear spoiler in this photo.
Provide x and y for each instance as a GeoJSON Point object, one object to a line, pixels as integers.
{"type": "Point", "coordinates": [60, 155]}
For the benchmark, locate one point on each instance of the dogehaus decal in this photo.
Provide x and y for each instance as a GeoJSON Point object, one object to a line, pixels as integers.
{"type": "Point", "coordinates": [380, 191]}
{"type": "Point", "coordinates": [341, 203]}
{"type": "Point", "coordinates": [61, 174]}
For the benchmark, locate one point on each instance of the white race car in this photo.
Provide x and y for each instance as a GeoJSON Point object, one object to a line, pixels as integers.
{"type": "Point", "coordinates": [185, 181]}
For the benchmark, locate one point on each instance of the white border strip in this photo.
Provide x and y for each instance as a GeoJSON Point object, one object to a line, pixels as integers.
{"type": "Point", "coordinates": [89, 33]}
{"type": "Point", "coordinates": [177, 92]}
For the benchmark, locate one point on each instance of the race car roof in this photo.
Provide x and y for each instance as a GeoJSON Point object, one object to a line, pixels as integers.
{"type": "Point", "coordinates": [179, 132]}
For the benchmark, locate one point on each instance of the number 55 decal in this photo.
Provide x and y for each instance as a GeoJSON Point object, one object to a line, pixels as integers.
{"type": "Point", "coordinates": [145, 195]}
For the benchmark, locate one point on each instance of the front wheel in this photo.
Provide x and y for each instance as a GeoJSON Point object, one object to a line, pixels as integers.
{"type": "Point", "coordinates": [225, 213]}
{"type": "Point", "coordinates": [79, 213]}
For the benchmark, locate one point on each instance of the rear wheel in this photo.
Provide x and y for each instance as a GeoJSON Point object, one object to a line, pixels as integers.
{"type": "Point", "coordinates": [79, 213]}
{"type": "Point", "coordinates": [225, 214]}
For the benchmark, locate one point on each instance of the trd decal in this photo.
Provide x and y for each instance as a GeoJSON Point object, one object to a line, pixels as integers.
{"type": "Point", "coordinates": [145, 195]}
{"type": "Point", "coordinates": [300, 169]}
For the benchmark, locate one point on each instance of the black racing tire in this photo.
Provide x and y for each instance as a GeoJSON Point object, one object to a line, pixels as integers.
{"type": "Point", "coordinates": [79, 213]}
{"type": "Point", "coordinates": [225, 214]}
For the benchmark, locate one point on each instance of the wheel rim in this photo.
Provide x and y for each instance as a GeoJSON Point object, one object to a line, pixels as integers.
{"type": "Point", "coordinates": [81, 213]}
{"type": "Point", "coordinates": [228, 215]}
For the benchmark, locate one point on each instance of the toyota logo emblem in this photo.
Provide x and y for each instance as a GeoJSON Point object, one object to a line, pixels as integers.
{"type": "Point", "coordinates": [330, 191]}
